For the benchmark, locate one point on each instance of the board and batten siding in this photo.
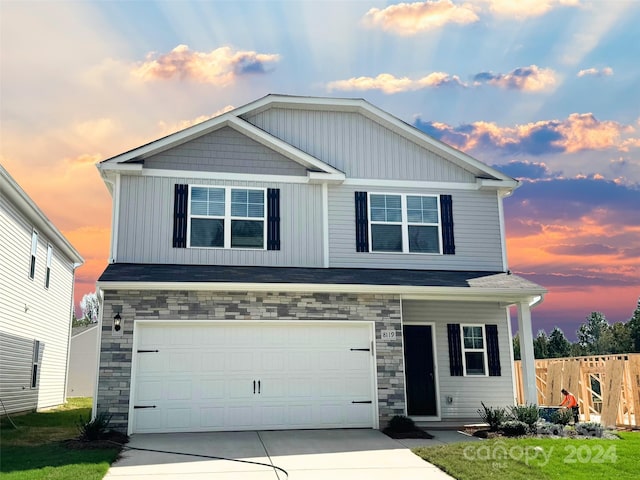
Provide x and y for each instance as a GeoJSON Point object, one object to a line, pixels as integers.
{"type": "Point", "coordinates": [29, 311]}
{"type": "Point", "coordinates": [466, 392]}
{"type": "Point", "coordinates": [476, 229]}
{"type": "Point", "coordinates": [357, 145]}
{"type": "Point", "coordinates": [146, 225]}
{"type": "Point", "coordinates": [83, 363]}
{"type": "Point", "coordinates": [225, 150]}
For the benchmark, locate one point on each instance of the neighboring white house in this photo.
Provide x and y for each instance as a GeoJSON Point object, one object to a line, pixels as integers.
{"type": "Point", "coordinates": [37, 267]}
{"type": "Point", "coordinates": [306, 263]}
{"type": "Point", "coordinates": [83, 361]}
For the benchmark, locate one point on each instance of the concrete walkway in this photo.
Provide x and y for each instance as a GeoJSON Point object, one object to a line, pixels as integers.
{"type": "Point", "coordinates": [304, 454]}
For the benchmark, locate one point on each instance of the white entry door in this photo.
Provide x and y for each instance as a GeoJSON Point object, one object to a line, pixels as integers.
{"type": "Point", "coordinates": [252, 375]}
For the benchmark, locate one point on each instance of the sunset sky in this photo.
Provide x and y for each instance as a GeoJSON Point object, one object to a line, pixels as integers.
{"type": "Point", "coordinates": [548, 91]}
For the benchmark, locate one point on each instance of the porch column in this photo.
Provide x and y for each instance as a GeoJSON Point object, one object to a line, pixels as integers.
{"type": "Point", "coordinates": [526, 353]}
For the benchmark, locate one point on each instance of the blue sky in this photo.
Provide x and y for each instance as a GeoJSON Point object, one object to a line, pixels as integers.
{"type": "Point", "coordinates": [546, 90]}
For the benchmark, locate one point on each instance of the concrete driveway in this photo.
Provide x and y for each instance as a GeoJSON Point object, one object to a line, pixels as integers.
{"type": "Point", "coordinates": [304, 454]}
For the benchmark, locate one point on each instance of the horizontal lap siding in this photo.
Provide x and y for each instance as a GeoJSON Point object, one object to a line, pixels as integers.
{"type": "Point", "coordinates": [357, 145]}
{"type": "Point", "coordinates": [30, 311]}
{"type": "Point", "coordinates": [146, 225]}
{"type": "Point", "coordinates": [476, 231]}
{"type": "Point", "coordinates": [467, 392]}
{"type": "Point", "coordinates": [225, 150]}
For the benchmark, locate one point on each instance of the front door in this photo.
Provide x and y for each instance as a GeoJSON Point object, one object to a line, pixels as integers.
{"type": "Point", "coordinates": [419, 371]}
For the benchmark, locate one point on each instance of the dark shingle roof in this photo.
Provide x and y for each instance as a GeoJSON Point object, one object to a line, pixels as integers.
{"type": "Point", "coordinates": [161, 273]}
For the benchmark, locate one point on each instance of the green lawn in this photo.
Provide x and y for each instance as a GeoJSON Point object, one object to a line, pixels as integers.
{"type": "Point", "coordinates": [34, 451]}
{"type": "Point", "coordinates": [539, 458]}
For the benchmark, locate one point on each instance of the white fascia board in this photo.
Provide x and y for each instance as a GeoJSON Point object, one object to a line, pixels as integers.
{"type": "Point", "coordinates": [280, 146]}
{"type": "Point", "coordinates": [408, 291]}
{"type": "Point", "coordinates": [488, 184]}
{"type": "Point", "coordinates": [320, 177]}
{"type": "Point", "coordinates": [226, 176]}
{"type": "Point", "coordinates": [381, 182]}
{"type": "Point", "coordinates": [167, 142]}
{"type": "Point", "coordinates": [30, 210]}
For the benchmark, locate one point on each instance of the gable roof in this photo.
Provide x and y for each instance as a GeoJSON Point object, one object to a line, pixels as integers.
{"type": "Point", "coordinates": [20, 200]}
{"type": "Point", "coordinates": [132, 160]}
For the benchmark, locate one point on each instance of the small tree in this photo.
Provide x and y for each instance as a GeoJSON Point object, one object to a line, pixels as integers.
{"type": "Point", "coordinates": [90, 307]}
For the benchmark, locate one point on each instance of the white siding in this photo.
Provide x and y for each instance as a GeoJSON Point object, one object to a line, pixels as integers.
{"type": "Point", "coordinates": [476, 230]}
{"type": "Point", "coordinates": [467, 392]}
{"type": "Point", "coordinates": [145, 232]}
{"type": "Point", "coordinates": [30, 311]}
{"type": "Point", "coordinates": [225, 150]}
{"type": "Point", "coordinates": [357, 145]}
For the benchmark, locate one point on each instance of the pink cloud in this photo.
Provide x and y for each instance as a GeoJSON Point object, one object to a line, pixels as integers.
{"type": "Point", "coordinates": [521, 9]}
{"type": "Point", "coordinates": [388, 83]}
{"type": "Point", "coordinates": [594, 72]}
{"type": "Point", "coordinates": [528, 79]}
{"type": "Point", "coordinates": [219, 67]}
{"type": "Point", "coordinates": [412, 18]}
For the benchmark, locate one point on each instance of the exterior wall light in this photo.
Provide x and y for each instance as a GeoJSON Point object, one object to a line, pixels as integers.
{"type": "Point", "coordinates": [117, 322]}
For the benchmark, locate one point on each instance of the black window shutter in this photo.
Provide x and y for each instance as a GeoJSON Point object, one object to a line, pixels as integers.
{"type": "Point", "coordinates": [455, 349]}
{"type": "Point", "coordinates": [362, 222]}
{"type": "Point", "coordinates": [180, 204]}
{"type": "Point", "coordinates": [446, 216]}
{"type": "Point", "coordinates": [493, 352]}
{"type": "Point", "coordinates": [273, 219]}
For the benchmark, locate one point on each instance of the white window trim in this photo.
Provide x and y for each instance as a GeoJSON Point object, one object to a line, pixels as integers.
{"type": "Point", "coordinates": [34, 254]}
{"type": "Point", "coordinates": [404, 224]}
{"type": "Point", "coordinates": [228, 217]}
{"type": "Point", "coordinates": [47, 272]}
{"type": "Point", "coordinates": [465, 350]}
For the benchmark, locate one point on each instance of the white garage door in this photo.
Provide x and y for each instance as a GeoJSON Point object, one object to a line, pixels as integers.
{"type": "Point", "coordinates": [202, 377]}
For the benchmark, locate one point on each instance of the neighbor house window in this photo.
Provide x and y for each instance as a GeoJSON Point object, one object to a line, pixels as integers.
{"type": "Point", "coordinates": [34, 251]}
{"type": "Point", "coordinates": [34, 363]}
{"type": "Point", "coordinates": [47, 277]}
{"type": "Point", "coordinates": [474, 350]}
{"type": "Point", "coordinates": [227, 217]}
{"type": "Point", "coordinates": [404, 223]}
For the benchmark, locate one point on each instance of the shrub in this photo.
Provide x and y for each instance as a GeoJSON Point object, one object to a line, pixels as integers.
{"type": "Point", "coordinates": [493, 416]}
{"type": "Point", "coordinates": [562, 416]}
{"type": "Point", "coordinates": [91, 430]}
{"type": "Point", "coordinates": [514, 428]}
{"type": "Point", "coordinates": [526, 413]}
{"type": "Point", "coordinates": [589, 429]}
{"type": "Point", "coordinates": [401, 424]}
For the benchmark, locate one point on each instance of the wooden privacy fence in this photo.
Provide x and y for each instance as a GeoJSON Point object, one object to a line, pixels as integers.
{"type": "Point", "coordinates": [607, 386]}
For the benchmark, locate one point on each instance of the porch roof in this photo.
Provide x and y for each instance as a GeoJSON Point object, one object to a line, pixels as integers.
{"type": "Point", "coordinates": [217, 277]}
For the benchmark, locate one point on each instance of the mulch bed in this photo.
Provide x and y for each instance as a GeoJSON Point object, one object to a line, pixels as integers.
{"type": "Point", "coordinates": [111, 439]}
{"type": "Point", "coordinates": [416, 433]}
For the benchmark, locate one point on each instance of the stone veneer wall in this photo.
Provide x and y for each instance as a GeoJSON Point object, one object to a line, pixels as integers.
{"type": "Point", "coordinates": [116, 352]}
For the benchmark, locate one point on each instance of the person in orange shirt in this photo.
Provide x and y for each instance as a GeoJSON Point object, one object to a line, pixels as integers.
{"type": "Point", "coordinates": [571, 402]}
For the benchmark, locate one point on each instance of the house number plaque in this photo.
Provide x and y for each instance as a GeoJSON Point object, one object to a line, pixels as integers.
{"type": "Point", "coordinates": [388, 334]}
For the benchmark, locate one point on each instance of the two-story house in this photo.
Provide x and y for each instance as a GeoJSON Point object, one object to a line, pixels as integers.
{"type": "Point", "coordinates": [305, 263]}
{"type": "Point", "coordinates": [37, 270]}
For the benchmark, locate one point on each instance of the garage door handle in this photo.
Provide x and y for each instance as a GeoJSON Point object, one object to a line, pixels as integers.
{"type": "Point", "coordinates": [254, 387]}
{"type": "Point", "coordinates": [144, 406]}
{"type": "Point", "coordinates": [362, 401]}
{"type": "Point", "coordinates": [258, 387]}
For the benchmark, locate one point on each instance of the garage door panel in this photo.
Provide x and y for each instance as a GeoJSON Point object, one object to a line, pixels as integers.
{"type": "Point", "coordinates": [308, 377]}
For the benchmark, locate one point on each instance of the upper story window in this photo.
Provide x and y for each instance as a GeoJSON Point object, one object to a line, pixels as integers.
{"type": "Point", "coordinates": [34, 251]}
{"type": "Point", "coordinates": [47, 277]}
{"type": "Point", "coordinates": [227, 217]}
{"type": "Point", "coordinates": [404, 223]}
{"type": "Point", "coordinates": [474, 350]}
